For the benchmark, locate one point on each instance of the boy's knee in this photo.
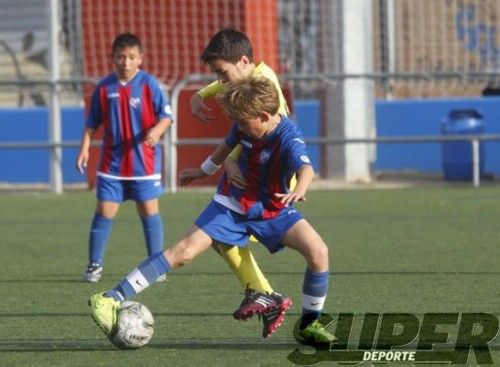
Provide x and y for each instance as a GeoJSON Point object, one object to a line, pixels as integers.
{"type": "Point", "coordinates": [324, 250]}
{"type": "Point", "coordinates": [318, 259]}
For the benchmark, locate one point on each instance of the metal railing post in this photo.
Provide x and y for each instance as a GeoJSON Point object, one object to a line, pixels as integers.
{"type": "Point", "coordinates": [171, 140]}
{"type": "Point", "coordinates": [56, 178]}
{"type": "Point", "coordinates": [475, 162]}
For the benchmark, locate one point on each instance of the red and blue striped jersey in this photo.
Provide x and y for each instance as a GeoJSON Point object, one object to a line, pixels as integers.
{"type": "Point", "coordinates": [126, 112]}
{"type": "Point", "coordinates": [268, 164]}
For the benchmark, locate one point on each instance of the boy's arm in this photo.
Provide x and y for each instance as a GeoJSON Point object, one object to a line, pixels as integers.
{"type": "Point", "coordinates": [208, 167]}
{"type": "Point", "coordinates": [220, 153]}
{"type": "Point", "coordinates": [233, 172]}
{"type": "Point", "coordinates": [83, 156]}
{"type": "Point", "coordinates": [305, 175]}
{"type": "Point", "coordinates": [210, 90]}
{"type": "Point", "coordinates": [198, 108]}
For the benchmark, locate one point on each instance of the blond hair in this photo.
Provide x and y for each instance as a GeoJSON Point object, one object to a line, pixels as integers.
{"type": "Point", "coordinates": [248, 98]}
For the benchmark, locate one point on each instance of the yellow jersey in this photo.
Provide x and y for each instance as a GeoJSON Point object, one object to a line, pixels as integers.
{"type": "Point", "coordinates": [261, 69]}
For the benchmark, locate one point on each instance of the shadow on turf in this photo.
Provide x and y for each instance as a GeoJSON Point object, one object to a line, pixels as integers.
{"type": "Point", "coordinates": [193, 344]}
{"type": "Point", "coordinates": [156, 314]}
{"type": "Point", "coordinates": [55, 345]}
{"type": "Point", "coordinates": [104, 345]}
{"type": "Point", "coordinates": [71, 279]}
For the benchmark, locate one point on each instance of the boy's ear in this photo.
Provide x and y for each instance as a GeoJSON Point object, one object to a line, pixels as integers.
{"type": "Point", "coordinates": [245, 60]}
{"type": "Point", "coordinates": [264, 116]}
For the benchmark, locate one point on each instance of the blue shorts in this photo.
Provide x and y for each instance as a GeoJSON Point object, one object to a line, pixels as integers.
{"type": "Point", "coordinates": [228, 227]}
{"type": "Point", "coordinates": [118, 191]}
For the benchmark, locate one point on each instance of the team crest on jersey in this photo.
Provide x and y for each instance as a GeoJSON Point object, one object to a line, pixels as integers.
{"type": "Point", "coordinates": [264, 156]}
{"type": "Point", "coordinates": [134, 102]}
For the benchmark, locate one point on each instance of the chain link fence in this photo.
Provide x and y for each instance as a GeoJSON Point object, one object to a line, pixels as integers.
{"type": "Point", "coordinates": [421, 48]}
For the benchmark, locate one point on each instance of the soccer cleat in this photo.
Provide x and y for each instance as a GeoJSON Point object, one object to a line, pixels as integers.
{"type": "Point", "coordinates": [162, 278]}
{"type": "Point", "coordinates": [104, 311]}
{"type": "Point", "coordinates": [254, 303]}
{"type": "Point", "coordinates": [284, 302]}
{"type": "Point", "coordinates": [274, 318]}
{"type": "Point", "coordinates": [316, 334]}
{"type": "Point", "coordinates": [93, 273]}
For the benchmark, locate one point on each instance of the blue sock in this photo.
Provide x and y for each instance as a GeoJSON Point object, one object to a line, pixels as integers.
{"type": "Point", "coordinates": [98, 239]}
{"type": "Point", "coordinates": [313, 296]}
{"type": "Point", "coordinates": [153, 233]}
{"type": "Point", "coordinates": [140, 278]}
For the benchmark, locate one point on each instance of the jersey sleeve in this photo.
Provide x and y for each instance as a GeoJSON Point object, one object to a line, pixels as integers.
{"type": "Point", "coordinates": [296, 151]}
{"type": "Point", "coordinates": [94, 118]}
{"type": "Point", "coordinates": [235, 153]}
{"type": "Point", "coordinates": [161, 102]}
{"type": "Point", "coordinates": [232, 138]}
{"type": "Point", "coordinates": [210, 90]}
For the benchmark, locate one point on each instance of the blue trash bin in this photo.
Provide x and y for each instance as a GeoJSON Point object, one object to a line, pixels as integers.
{"type": "Point", "coordinates": [457, 156]}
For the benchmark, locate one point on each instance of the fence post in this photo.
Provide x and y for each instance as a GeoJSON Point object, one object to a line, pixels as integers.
{"type": "Point", "coordinates": [359, 100]}
{"type": "Point", "coordinates": [475, 162]}
{"type": "Point", "coordinates": [56, 179]}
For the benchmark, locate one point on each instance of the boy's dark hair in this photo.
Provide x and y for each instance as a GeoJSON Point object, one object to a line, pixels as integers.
{"type": "Point", "coordinates": [229, 45]}
{"type": "Point", "coordinates": [126, 40]}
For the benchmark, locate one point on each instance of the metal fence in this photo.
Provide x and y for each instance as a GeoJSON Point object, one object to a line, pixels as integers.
{"type": "Point", "coordinates": [418, 48]}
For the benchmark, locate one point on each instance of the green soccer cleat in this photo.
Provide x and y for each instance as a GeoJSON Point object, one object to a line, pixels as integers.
{"type": "Point", "coordinates": [316, 334]}
{"type": "Point", "coordinates": [104, 311]}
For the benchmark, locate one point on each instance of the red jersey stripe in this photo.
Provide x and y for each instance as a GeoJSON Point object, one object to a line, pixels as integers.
{"type": "Point", "coordinates": [147, 122]}
{"type": "Point", "coordinates": [253, 175]}
{"type": "Point", "coordinates": [107, 149]}
{"type": "Point", "coordinates": [273, 180]}
{"type": "Point", "coordinates": [127, 163]}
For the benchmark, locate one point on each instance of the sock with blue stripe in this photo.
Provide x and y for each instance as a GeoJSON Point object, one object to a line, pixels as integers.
{"type": "Point", "coordinates": [99, 234]}
{"type": "Point", "coordinates": [153, 233]}
{"type": "Point", "coordinates": [140, 278]}
{"type": "Point", "coordinates": [313, 296]}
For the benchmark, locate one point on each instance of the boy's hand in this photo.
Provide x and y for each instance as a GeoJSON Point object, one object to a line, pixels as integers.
{"type": "Point", "coordinates": [233, 174]}
{"type": "Point", "coordinates": [200, 110]}
{"type": "Point", "coordinates": [190, 174]}
{"type": "Point", "coordinates": [152, 137]}
{"type": "Point", "coordinates": [291, 197]}
{"type": "Point", "coordinates": [82, 161]}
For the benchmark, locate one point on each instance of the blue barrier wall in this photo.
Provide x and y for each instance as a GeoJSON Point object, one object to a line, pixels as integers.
{"type": "Point", "coordinates": [31, 124]}
{"type": "Point", "coordinates": [32, 165]}
{"type": "Point", "coordinates": [393, 118]}
{"type": "Point", "coordinates": [424, 117]}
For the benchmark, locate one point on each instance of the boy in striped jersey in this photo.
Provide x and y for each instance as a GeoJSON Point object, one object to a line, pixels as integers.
{"type": "Point", "coordinates": [229, 55]}
{"type": "Point", "coordinates": [134, 112]}
{"type": "Point", "coordinates": [273, 150]}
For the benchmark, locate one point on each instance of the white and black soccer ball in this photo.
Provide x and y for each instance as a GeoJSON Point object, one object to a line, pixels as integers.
{"type": "Point", "coordinates": [134, 328]}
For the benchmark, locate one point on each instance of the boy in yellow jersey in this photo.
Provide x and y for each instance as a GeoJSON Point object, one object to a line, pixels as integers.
{"type": "Point", "coordinates": [229, 55]}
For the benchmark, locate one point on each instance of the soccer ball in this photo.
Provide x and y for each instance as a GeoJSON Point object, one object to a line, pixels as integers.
{"type": "Point", "coordinates": [134, 328]}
